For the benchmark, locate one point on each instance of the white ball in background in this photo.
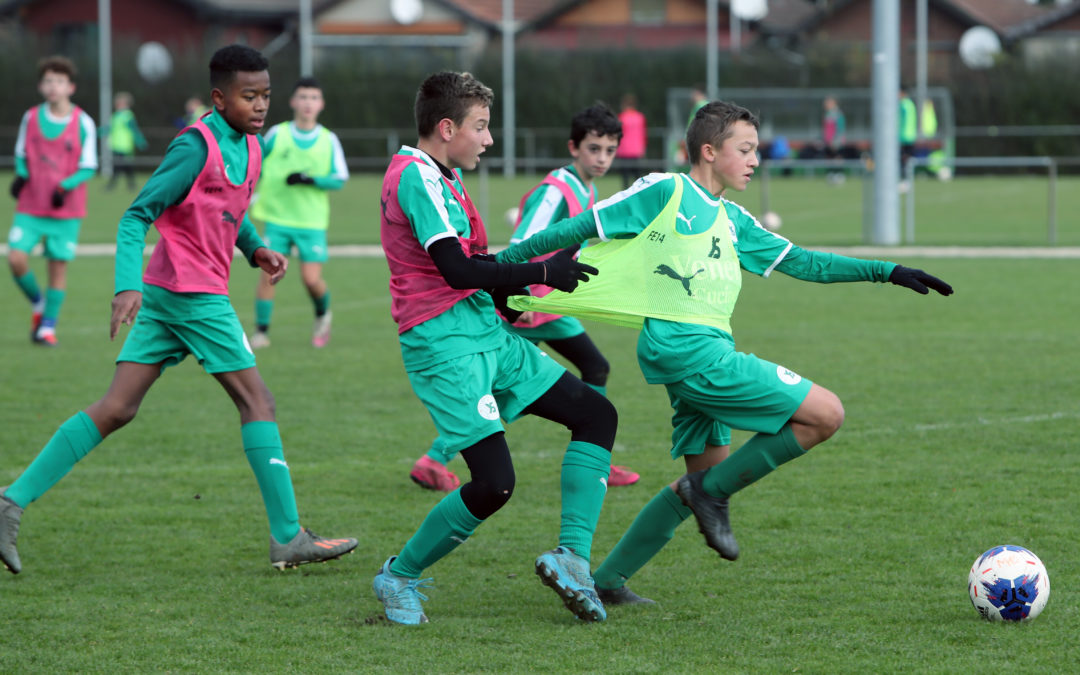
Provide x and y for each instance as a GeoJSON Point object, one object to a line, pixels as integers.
{"type": "Point", "coordinates": [771, 221]}
{"type": "Point", "coordinates": [512, 216]}
{"type": "Point", "coordinates": [153, 62]}
{"type": "Point", "coordinates": [944, 173]}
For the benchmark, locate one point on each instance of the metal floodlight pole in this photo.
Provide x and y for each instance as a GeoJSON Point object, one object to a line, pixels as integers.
{"type": "Point", "coordinates": [508, 87]}
{"type": "Point", "coordinates": [920, 65]}
{"type": "Point", "coordinates": [306, 69]}
{"type": "Point", "coordinates": [712, 49]}
{"type": "Point", "coordinates": [105, 83]}
{"type": "Point", "coordinates": [885, 89]}
{"type": "Point", "coordinates": [736, 30]}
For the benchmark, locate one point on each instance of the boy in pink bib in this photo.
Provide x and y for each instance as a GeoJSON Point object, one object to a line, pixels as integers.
{"type": "Point", "coordinates": [198, 199]}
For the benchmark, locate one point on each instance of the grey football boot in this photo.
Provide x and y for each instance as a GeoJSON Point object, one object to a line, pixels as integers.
{"type": "Point", "coordinates": [711, 514]}
{"type": "Point", "coordinates": [10, 516]}
{"type": "Point", "coordinates": [621, 596]}
{"type": "Point", "coordinates": [307, 547]}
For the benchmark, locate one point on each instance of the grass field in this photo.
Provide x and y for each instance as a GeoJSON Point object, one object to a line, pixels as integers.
{"type": "Point", "coordinates": [151, 556]}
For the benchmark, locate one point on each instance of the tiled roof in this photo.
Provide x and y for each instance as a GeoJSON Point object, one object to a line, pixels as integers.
{"type": "Point", "coordinates": [1010, 18]}
{"type": "Point", "coordinates": [526, 12]}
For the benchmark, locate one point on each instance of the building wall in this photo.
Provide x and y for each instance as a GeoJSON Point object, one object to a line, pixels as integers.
{"type": "Point", "coordinates": [143, 20]}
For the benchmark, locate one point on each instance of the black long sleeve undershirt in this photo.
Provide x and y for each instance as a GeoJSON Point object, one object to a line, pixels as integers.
{"type": "Point", "coordinates": [461, 271]}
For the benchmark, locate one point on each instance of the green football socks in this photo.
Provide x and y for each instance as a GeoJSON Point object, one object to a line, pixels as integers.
{"type": "Point", "coordinates": [75, 437]}
{"type": "Point", "coordinates": [585, 470]}
{"type": "Point", "coordinates": [651, 530]}
{"type": "Point", "coordinates": [446, 527]}
{"type": "Point", "coordinates": [262, 446]}
{"type": "Point", "coordinates": [29, 287]}
{"type": "Point", "coordinates": [322, 305]}
{"type": "Point", "coordinates": [54, 298]}
{"type": "Point", "coordinates": [437, 451]}
{"type": "Point", "coordinates": [758, 457]}
{"type": "Point", "coordinates": [264, 310]}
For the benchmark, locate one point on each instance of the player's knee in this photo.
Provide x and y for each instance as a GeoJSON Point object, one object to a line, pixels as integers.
{"type": "Point", "coordinates": [596, 372]}
{"type": "Point", "coordinates": [832, 416]}
{"type": "Point", "coordinates": [484, 496]}
{"type": "Point", "coordinates": [597, 420]}
{"type": "Point", "coordinates": [111, 415]}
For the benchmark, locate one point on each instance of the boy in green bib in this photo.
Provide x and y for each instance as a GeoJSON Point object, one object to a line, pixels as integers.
{"type": "Point", "coordinates": [675, 240]}
{"type": "Point", "coordinates": [125, 138]}
{"type": "Point", "coordinates": [304, 162]}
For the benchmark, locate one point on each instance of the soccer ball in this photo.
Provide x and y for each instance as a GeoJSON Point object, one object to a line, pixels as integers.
{"type": "Point", "coordinates": [1008, 583]}
{"type": "Point", "coordinates": [771, 221]}
{"type": "Point", "coordinates": [511, 216]}
{"type": "Point", "coordinates": [153, 62]}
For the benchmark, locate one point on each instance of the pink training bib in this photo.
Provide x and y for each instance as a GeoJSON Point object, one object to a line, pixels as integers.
{"type": "Point", "coordinates": [198, 235]}
{"type": "Point", "coordinates": [573, 206]}
{"type": "Point", "coordinates": [418, 291]}
{"type": "Point", "coordinates": [49, 161]}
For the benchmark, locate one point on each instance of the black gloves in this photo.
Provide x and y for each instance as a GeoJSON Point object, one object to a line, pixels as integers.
{"type": "Point", "coordinates": [918, 281]}
{"type": "Point", "coordinates": [17, 186]}
{"type": "Point", "coordinates": [58, 197]}
{"type": "Point", "coordinates": [564, 273]}
{"type": "Point", "coordinates": [501, 294]}
{"type": "Point", "coordinates": [298, 178]}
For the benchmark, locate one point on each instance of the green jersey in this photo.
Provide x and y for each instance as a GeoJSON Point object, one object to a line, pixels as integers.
{"type": "Point", "coordinates": [51, 127]}
{"type": "Point", "coordinates": [669, 351]}
{"type": "Point", "coordinates": [471, 325]}
{"type": "Point", "coordinates": [183, 162]}
{"type": "Point", "coordinates": [547, 205]}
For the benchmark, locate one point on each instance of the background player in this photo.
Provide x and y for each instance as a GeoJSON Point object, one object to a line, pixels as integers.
{"type": "Point", "coordinates": [466, 368]}
{"type": "Point", "coordinates": [680, 245]}
{"type": "Point", "coordinates": [304, 161]}
{"type": "Point", "coordinates": [125, 138]}
{"type": "Point", "coordinates": [55, 154]}
{"type": "Point", "coordinates": [197, 199]}
{"type": "Point", "coordinates": [595, 133]}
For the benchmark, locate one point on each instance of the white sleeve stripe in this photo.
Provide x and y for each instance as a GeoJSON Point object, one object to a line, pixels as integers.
{"type": "Point", "coordinates": [437, 237]}
{"type": "Point", "coordinates": [545, 211]}
{"type": "Point", "coordinates": [89, 157]}
{"type": "Point", "coordinates": [20, 141]}
{"type": "Point", "coordinates": [340, 170]}
{"type": "Point", "coordinates": [776, 262]}
{"type": "Point", "coordinates": [599, 226]}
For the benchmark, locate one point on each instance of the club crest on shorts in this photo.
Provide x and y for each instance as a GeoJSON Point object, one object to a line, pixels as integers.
{"type": "Point", "coordinates": [487, 407]}
{"type": "Point", "coordinates": [787, 376]}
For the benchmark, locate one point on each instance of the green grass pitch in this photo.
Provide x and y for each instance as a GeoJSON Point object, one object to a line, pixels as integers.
{"type": "Point", "coordinates": [151, 556]}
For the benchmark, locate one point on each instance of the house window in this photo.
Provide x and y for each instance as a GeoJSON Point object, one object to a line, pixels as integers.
{"type": "Point", "coordinates": [647, 12]}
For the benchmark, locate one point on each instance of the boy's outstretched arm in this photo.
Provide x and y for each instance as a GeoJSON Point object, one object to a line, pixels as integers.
{"type": "Point", "coordinates": [828, 268]}
{"type": "Point", "coordinates": [560, 235]}
{"type": "Point", "coordinates": [559, 271]}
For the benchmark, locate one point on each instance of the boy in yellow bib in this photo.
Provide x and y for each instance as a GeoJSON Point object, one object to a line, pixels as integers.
{"type": "Point", "coordinates": [676, 241]}
{"type": "Point", "coordinates": [304, 161]}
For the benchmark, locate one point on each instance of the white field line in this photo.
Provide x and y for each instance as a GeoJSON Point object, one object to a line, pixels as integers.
{"type": "Point", "coordinates": [877, 252]}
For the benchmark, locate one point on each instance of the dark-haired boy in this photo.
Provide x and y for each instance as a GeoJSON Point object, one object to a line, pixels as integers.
{"type": "Point", "coordinates": [595, 133]}
{"type": "Point", "coordinates": [55, 154]}
{"type": "Point", "coordinates": [670, 265]}
{"type": "Point", "coordinates": [303, 162]}
{"type": "Point", "coordinates": [197, 199]}
{"type": "Point", "coordinates": [466, 368]}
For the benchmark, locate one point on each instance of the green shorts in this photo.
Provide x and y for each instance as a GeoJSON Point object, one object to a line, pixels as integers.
{"type": "Point", "coordinates": [310, 244]}
{"type": "Point", "coordinates": [218, 342]}
{"type": "Point", "coordinates": [560, 329]}
{"type": "Point", "coordinates": [737, 391]}
{"type": "Point", "coordinates": [467, 396]}
{"type": "Point", "coordinates": [61, 235]}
